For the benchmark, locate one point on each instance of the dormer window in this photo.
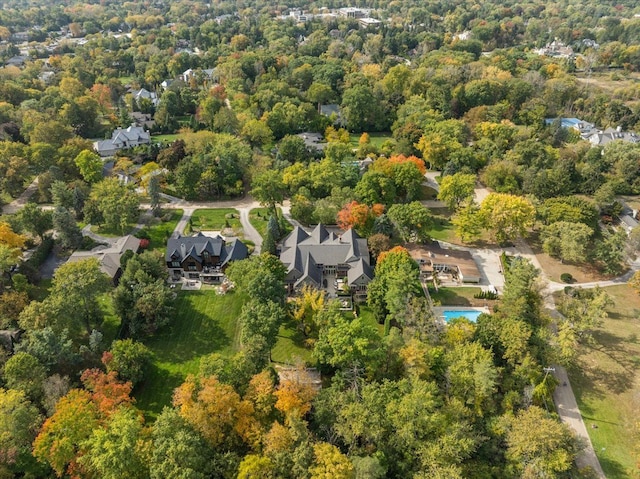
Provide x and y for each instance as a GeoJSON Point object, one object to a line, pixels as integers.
{"type": "Point", "coordinates": [205, 254]}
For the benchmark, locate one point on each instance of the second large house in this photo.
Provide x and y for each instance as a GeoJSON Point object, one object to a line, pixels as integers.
{"type": "Point", "coordinates": [327, 261]}
{"type": "Point", "coordinates": [201, 257]}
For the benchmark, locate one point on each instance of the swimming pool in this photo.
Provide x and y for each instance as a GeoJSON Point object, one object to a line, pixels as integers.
{"type": "Point", "coordinates": [471, 315]}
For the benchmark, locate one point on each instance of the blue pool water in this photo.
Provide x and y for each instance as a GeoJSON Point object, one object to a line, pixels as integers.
{"type": "Point", "coordinates": [470, 315]}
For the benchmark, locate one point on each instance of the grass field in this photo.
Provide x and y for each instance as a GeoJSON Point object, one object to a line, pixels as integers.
{"type": "Point", "coordinates": [290, 348]}
{"type": "Point", "coordinates": [443, 229]}
{"type": "Point", "coordinates": [606, 381]}
{"type": "Point", "coordinates": [214, 219]}
{"type": "Point", "coordinates": [553, 268]}
{"type": "Point", "coordinates": [204, 323]}
{"type": "Point", "coordinates": [126, 80]}
{"type": "Point", "coordinates": [377, 139]}
{"type": "Point", "coordinates": [165, 138]}
{"type": "Point", "coordinates": [161, 231]}
{"type": "Point", "coordinates": [462, 296]}
{"type": "Point", "coordinates": [110, 233]}
{"type": "Point", "coordinates": [259, 217]}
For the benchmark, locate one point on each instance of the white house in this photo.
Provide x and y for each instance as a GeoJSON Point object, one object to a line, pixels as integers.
{"type": "Point", "coordinates": [122, 139]}
{"type": "Point", "coordinates": [143, 93]}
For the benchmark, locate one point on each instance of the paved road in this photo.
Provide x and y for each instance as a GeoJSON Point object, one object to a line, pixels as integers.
{"type": "Point", "coordinates": [17, 204]}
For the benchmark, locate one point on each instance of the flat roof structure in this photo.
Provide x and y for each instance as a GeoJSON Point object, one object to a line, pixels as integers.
{"type": "Point", "coordinates": [432, 257]}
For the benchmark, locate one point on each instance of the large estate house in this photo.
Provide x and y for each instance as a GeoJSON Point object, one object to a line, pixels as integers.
{"type": "Point", "coordinates": [327, 261]}
{"type": "Point", "coordinates": [202, 257]}
{"type": "Point", "coordinates": [121, 139]}
{"type": "Point", "coordinates": [109, 256]}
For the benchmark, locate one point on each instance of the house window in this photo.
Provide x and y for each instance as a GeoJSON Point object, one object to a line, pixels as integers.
{"type": "Point", "coordinates": [192, 267]}
{"type": "Point", "coordinates": [205, 254]}
{"type": "Point", "coordinates": [175, 264]}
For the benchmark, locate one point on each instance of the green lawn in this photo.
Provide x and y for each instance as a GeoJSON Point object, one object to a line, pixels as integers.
{"type": "Point", "coordinates": [204, 322]}
{"type": "Point", "coordinates": [462, 296]}
{"type": "Point", "coordinates": [606, 381]}
{"type": "Point", "coordinates": [377, 139]}
{"type": "Point", "coordinates": [165, 138]}
{"type": "Point", "coordinates": [111, 323]}
{"type": "Point", "coordinates": [161, 231]}
{"type": "Point", "coordinates": [290, 347]}
{"type": "Point", "coordinates": [367, 316]}
{"type": "Point", "coordinates": [214, 219]}
{"type": "Point", "coordinates": [126, 80]}
{"type": "Point", "coordinates": [442, 229]}
{"type": "Point", "coordinates": [110, 233]}
{"type": "Point", "coordinates": [259, 217]}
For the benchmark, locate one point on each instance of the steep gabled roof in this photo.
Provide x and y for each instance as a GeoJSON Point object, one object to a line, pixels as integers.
{"type": "Point", "coordinates": [360, 268]}
{"type": "Point", "coordinates": [237, 250]}
{"type": "Point", "coordinates": [319, 234]}
{"type": "Point", "coordinates": [295, 237]}
{"type": "Point", "coordinates": [311, 272]}
{"type": "Point", "coordinates": [180, 248]}
{"type": "Point", "coordinates": [325, 248]}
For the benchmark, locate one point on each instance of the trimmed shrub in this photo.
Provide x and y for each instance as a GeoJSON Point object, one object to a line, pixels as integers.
{"type": "Point", "coordinates": [566, 278]}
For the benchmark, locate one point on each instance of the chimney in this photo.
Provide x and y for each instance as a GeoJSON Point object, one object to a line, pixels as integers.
{"type": "Point", "coordinates": [183, 250]}
{"type": "Point", "coordinates": [619, 128]}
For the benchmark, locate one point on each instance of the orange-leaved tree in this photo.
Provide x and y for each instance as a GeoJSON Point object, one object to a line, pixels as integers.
{"type": "Point", "coordinates": [359, 216]}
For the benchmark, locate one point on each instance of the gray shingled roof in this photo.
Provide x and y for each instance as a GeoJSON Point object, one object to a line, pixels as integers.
{"type": "Point", "coordinates": [359, 269]}
{"type": "Point", "coordinates": [109, 257]}
{"type": "Point", "coordinates": [301, 250]}
{"type": "Point", "coordinates": [181, 247]}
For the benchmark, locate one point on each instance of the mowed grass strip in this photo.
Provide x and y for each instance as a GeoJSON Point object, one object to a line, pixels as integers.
{"type": "Point", "coordinates": [215, 219]}
{"type": "Point", "coordinates": [204, 323]}
{"type": "Point", "coordinates": [606, 381]}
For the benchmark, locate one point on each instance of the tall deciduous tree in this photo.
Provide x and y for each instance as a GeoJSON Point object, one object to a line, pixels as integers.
{"type": "Point", "coordinates": [567, 241]}
{"type": "Point", "coordinates": [538, 445]}
{"type": "Point", "coordinates": [330, 463]}
{"type": "Point", "coordinates": [215, 410]}
{"type": "Point", "coordinates": [456, 189]}
{"type": "Point", "coordinates": [117, 203]}
{"type": "Point", "coordinates": [178, 450]}
{"type": "Point", "coordinates": [412, 220]}
{"type": "Point", "coordinates": [268, 189]}
{"type": "Point", "coordinates": [143, 299]}
{"type": "Point", "coordinates": [118, 449]}
{"type": "Point", "coordinates": [62, 436]}
{"type": "Point", "coordinates": [24, 372]}
{"type": "Point", "coordinates": [18, 427]}
{"type": "Point", "coordinates": [35, 220]}
{"type": "Point", "coordinates": [129, 359]}
{"type": "Point", "coordinates": [90, 166]}
{"type": "Point", "coordinates": [507, 216]}
{"type": "Point", "coordinates": [78, 286]}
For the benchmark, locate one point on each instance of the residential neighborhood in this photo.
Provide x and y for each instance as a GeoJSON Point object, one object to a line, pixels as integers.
{"type": "Point", "coordinates": [319, 240]}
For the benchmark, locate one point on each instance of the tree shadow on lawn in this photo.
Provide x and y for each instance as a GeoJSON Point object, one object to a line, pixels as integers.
{"type": "Point", "coordinates": [611, 467]}
{"type": "Point", "coordinates": [156, 391]}
{"type": "Point", "coordinates": [600, 380]}
{"type": "Point", "coordinates": [192, 334]}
